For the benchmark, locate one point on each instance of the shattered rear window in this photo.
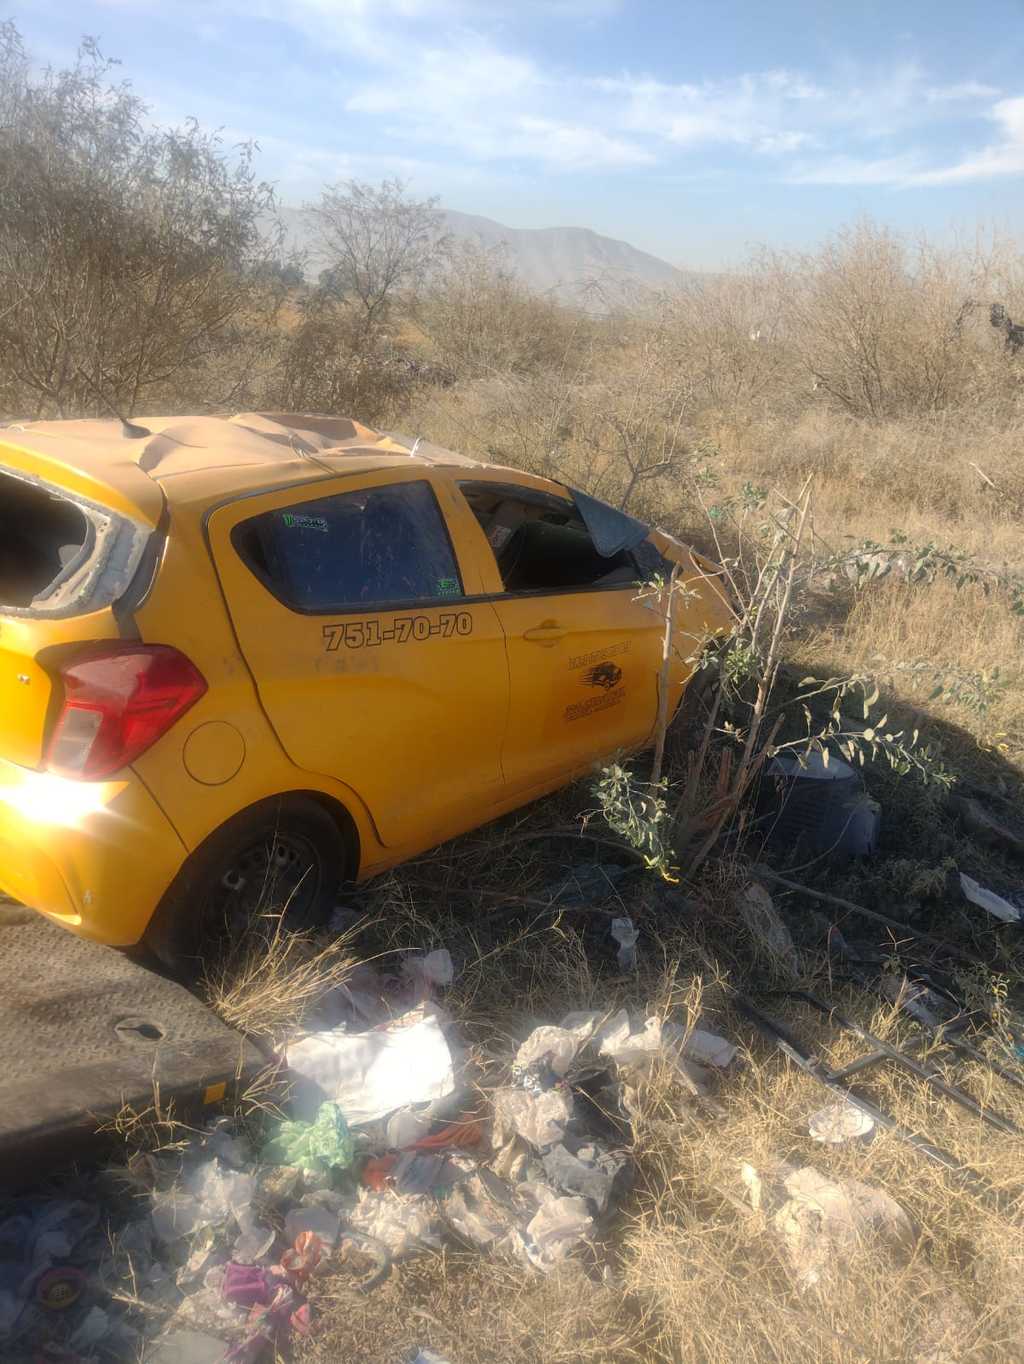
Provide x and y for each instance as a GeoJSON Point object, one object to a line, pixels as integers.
{"type": "Point", "coordinates": [61, 555]}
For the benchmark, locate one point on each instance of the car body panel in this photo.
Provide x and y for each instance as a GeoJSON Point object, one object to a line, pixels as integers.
{"type": "Point", "coordinates": [434, 679]}
{"type": "Point", "coordinates": [196, 800]}
{"type": "Point", "coordinates": [413, 723]}
{"type": "Point", "coordinates": [71, 455]}
{"type": "Point", "coordinates": [93, 856]}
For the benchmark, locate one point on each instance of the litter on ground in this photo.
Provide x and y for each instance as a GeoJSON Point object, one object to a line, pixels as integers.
{"type": "Point", "coordinates": [387, 1147]}
{"type": "Point", "coordinates": [988, 900]}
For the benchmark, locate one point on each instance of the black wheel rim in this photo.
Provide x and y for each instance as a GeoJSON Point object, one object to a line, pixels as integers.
{"type": "Point", "coordinates": [276, 880]}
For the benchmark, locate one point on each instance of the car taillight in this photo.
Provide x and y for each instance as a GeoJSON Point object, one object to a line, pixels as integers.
{"type": "Point", "coordinates": [118, 700]}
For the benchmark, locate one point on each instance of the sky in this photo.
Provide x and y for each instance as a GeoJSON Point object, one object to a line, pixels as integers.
{"type": "Point", "coordinates": [694, 129]}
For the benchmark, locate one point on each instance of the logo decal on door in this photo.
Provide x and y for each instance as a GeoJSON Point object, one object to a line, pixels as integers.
{"type": "Point", "coordinates": [581, 709]}
{"type": "Point", "coordinates": [598, 655]}
{"type": "Point", "coordinates": [605, 675]}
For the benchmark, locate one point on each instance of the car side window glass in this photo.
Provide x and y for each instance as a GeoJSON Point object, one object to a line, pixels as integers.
{"type": "Point", "coordinates": [385, 546]}
{"type": "Point", "coordinates": [541, 544]}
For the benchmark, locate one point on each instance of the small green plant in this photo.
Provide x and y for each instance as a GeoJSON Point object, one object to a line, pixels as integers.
{"type": "Point", "coordinates": [752, 718]}
{"type": "Point", "coordinates": [638, 812]}
{"type": "Point", "coordinates": [922, 564]}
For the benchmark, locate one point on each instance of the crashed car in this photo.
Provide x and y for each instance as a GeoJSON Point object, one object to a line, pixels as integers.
{"type": "Point", "coordinates": [244, 660]}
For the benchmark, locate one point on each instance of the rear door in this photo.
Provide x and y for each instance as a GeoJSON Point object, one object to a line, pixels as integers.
{"type": "Point", "coordinates": [353, 611]}
{"type": "Point", "coordinates": [584, 653]}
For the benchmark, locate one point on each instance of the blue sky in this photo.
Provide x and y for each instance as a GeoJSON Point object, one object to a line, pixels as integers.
{"type": "Point", "coordinates": [693, 130]}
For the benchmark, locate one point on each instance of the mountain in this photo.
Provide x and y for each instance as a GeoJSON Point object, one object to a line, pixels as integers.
{"type": "Point", "coordinates": [564, 260]}
{"type": "Point", "coordinates": [569, 262]}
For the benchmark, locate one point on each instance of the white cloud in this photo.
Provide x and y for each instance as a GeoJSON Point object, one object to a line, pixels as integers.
{"type": "Point", "coordinates": [1005, 157]}
{"type": "Point", "coordinates": [578, 146]}
{"type": "Point", "coordinates": [761, 111]}
{"type": "Point", "coordinates": [492, 105]}
{"type": "Point", "coordinates": [443, 80]}
{"type": "Point", "coordinates": [909, 170]}
{"type": "Point", "coordinates": [852, 170]}
{"type": "Point", "coordinates": [963, 90]}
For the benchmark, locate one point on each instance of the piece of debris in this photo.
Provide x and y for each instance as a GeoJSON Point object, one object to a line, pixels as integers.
{"type": "Point", "coordinates": [839, 1123]}
{"type": "Point", "coordinates": [371, 1074]}
{"type": "Point", "coordinates": [985, 828]}
{"type": "Point", "coordinates": [764, 924]}
{"type": "Point", "coordinates": [630, 1044]}
{"type": "Point", "coordinates": [916, 1000]}
{"type": "Point", "coordinates": [555, 1229]}
{"type": "Point", "coordinates": [429, 971]}
{"type": "Point", "coordinates": [403, 1223]}
{"type": "Point", "coordinates": [588, 1172]}
{"type": "Point", "coordinates": [555, 1047]}
{"type": "Point", "coordinates": [188, 1347]}
{"type": "Point", "coordinates": [539, 1119]}
{"type": "Point", "coordinates": [709, 1049]}
{"type": "Point", "coordinates": [323, 1144]}
{"type": "Point", "coordinates": [989, 901]}
{"type": "Point", "coordinates": [818, 803]}
{"type": "Point", "coordinates": [819, 1221]}
{"type": "Point", "coordinates": [824, 1219]}
{"type": "Point", "coordinates": [625, 933]}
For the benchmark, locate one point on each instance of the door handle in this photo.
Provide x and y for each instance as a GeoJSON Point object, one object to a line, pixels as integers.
{"type": "Point", "coordinates": [547, 633]}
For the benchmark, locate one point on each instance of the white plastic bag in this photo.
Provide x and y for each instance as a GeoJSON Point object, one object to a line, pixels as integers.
{"type": "Point", "coordinates": [370, 1074]}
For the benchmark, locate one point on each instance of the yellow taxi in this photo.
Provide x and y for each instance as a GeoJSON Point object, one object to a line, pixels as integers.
{"type": "Point", "coordinates": [246, 659]}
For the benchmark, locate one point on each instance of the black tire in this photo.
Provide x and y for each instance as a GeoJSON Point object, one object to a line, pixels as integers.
{"type": "Point", "coordinates": [687, 727]}
{"type": "Point", "coordinates": [283, 859]}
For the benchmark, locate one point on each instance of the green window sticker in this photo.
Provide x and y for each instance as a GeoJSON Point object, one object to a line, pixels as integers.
{"type": "Point", "coordinates": [447, 587]}
{"type": "Point", "coordinates": [294, 522]}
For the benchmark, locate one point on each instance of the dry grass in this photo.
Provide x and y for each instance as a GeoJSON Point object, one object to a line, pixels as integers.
{"type": "Point", "coordinates": [718, 1278]}
{"type": "Point", "coordinates": [273, 976]}
{"type": "Point", "coordinates": [686, 1270]}
{"type": "Point", "coordinates": [911, 635]}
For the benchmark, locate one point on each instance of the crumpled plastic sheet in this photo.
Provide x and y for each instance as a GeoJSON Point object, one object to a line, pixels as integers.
{"type": "Point", "coordinates": [322, 1144]}
{"type": "Point", "coordinates": [403, 1223]}
{"type": "Point", "coordinates": [708, 1049]}
{"type": "Point", "coordinates": [534, 1223]}
{"type": "Point", "coordinates": [622, 1038]}
{"type": "Point", "coordinates": [371, 1074]}
{"type": "Point", "coordinates": [625, 932]}
{"type": "Point", "coordinates": [629, 1043]}
{"type": "Point", "coordinates": [540, 1119]}
{"type": "Point", "coordinates": [208, 1196]}
{"type": "Point", "coordinates": [556, 1228]}
{"type": "Point", "coordinates": [554, 1047]}
{"type": "Point", "coordinates": [429, 971]}
{"type": "Point", "coordinates": [820, 1221]}
{"type": "Point", "coordinates": [372, 998]}
{"type": "Point", "coordinates": [588, 1173]}
{"type": "Point", "coordinates": [479, 1218]}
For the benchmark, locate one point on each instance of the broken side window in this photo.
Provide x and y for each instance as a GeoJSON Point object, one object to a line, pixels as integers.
{"type": "Point", "coordinates": [542, 543]}
{"type": "Point", "coordinates": [378, 546]}
{"type": "Point", "coordinates": [61, 555]}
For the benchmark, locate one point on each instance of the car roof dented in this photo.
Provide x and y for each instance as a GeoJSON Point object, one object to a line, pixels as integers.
{"type": "Point", "coordinates": [196, 458]}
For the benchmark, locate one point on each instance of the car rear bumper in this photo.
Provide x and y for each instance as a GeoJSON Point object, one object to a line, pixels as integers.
{"type": "Point", "coordinates": [94, 857]}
